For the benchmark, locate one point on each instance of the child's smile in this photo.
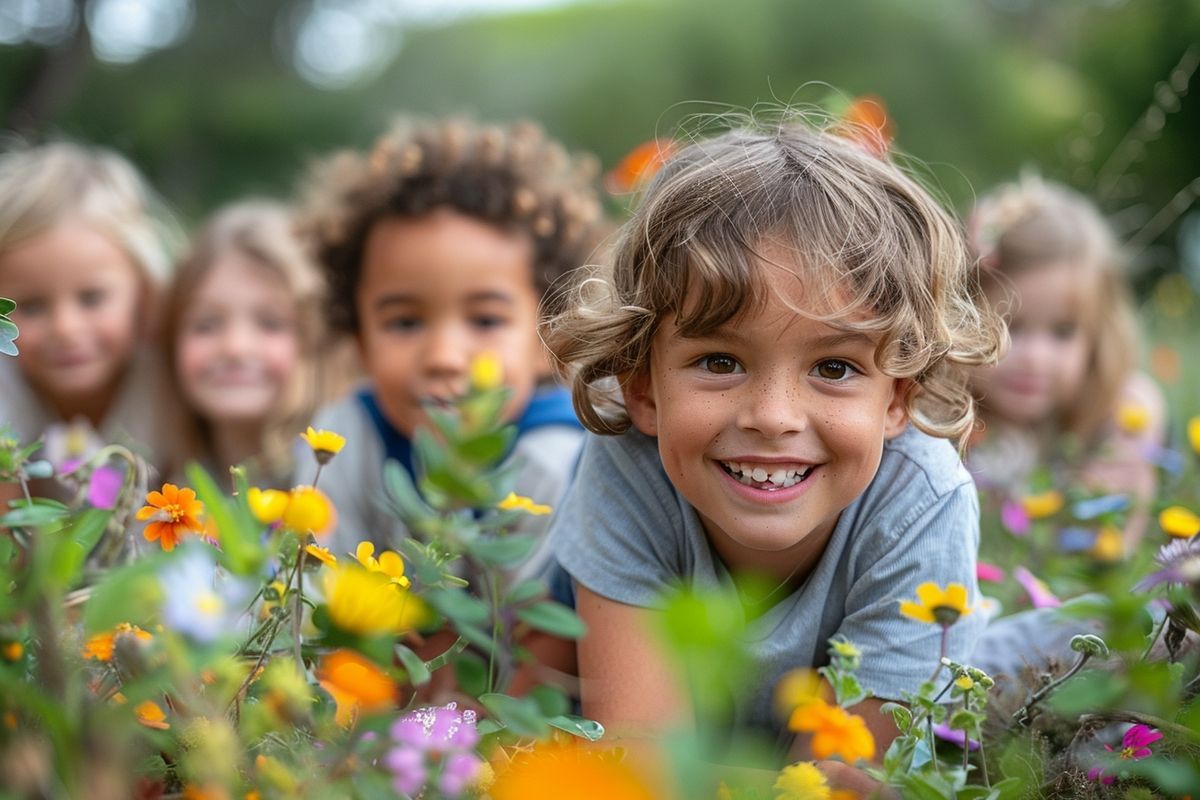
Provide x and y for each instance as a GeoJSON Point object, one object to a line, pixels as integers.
{"type": "Point", "coordinates": [769, 426]}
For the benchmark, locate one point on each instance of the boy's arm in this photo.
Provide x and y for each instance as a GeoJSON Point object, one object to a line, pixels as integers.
{"type": "Point", "coordinates": [626, 683]}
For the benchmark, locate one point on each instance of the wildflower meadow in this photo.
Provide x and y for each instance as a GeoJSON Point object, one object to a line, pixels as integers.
{"type": "Point", "coordinates": [201, 641]}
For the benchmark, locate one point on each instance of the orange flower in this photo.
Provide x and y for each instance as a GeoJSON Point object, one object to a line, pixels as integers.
{"type": "Point", "coordinates": [866, 122]}
{"type": "Point", "coordinates": [834, 731]}
{"type": "Point", "coordinates": [355, 682]}
{"type": "Point", "coordinates": [592, 774]}
{"type": "Point", "coordinates": [639, 166]}
{"type": "Point", "coordinates": [100, 646]}
{"type": "Point", "coordinates": [150, 715]}
{"type": "Point", "coordinates": [174, 512]}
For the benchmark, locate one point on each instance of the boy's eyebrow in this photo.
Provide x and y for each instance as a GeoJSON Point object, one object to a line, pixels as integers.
{"type": "Point", "coordinates": [488, 295]}
{"type": "Point", "coordinates": [400, 298]}
{"type": "Point", "coordinates": [829, 340]}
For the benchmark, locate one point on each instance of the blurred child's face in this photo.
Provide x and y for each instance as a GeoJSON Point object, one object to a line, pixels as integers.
{"type": "Point", "coordinates": [1044, 369]}
{"type": "Point", "coordinates": [769, 426]}
{"type": "Point", "coordinates": [238, 345]}
{"type": "Point", "coordinates": [77, 296]}
{"type": "Point", "coordinates": [437, 291]}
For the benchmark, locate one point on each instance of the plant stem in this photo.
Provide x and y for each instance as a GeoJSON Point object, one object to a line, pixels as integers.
{"type": "Point", "coordinates": [1022, 713]}
{"type": "Point", "coordinates": [298, 607]}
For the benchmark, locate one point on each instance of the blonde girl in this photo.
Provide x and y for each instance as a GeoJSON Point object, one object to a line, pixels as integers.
{"type": "Point", "coordinates": [83, 256]}
{"type": "Point", "coordinates": [242, 342]}
{"type": "Point", "coordinates": [1067, 394]}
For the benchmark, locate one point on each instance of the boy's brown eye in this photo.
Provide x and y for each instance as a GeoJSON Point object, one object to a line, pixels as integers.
{"type": "Point", "coordinates": [720, 365]}
{"type": "Point", "coordinates": [833, 370]}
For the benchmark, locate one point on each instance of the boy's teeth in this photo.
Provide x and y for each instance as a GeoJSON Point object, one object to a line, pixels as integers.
{"type": "Point", "coordinates": [759, 474]}
{"type": "Point", "coordinates": [781, 477]}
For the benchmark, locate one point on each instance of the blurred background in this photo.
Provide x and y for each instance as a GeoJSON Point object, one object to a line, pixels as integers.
{"type": "Point", "coordinates": [215, 99]}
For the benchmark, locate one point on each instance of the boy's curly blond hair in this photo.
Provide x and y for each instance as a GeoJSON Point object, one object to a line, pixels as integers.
{"type": "Point", "coordinates": [513, 177]}
{"type": "Point", "coordinates": [874, 252]}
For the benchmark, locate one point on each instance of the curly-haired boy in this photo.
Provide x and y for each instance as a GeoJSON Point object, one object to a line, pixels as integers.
{"type": "Point", "coordinates": [438, 246]}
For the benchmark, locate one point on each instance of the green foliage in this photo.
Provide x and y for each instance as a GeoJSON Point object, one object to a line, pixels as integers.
{"type": "Point", "coordinates": [8, 329]}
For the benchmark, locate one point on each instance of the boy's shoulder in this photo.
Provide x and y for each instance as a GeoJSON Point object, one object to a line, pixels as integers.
{"type": "Point", "coordinates": [914, 461]}
{"type": "Point", "coordinates": [350, 418]}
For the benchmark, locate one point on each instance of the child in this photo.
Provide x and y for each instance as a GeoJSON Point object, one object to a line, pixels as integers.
{"type": "Point", "coordinates": [788, 319]}
{"type": "Point", "coordinates": [1047, 258]}
{"type": "Point", "coordinates": [243, 328]}
{"type": "Point", "coordinates": [438, 247]}
{"type": "Point", "coordinates": [83, 260]}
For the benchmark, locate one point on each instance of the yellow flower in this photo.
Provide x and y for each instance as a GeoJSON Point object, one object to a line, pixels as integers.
{"type": "Point", "coordinates": [267, 505]}
{"type": "Point", "coordinates": [1109, 545]}
{"type": "Point", "coordinates": [1045, 504]}
{"type": "Point", "coordinates": [1133, 418]}
{"type": "Point", "coordinates": [389, 563]}
{"type": "Point", "coordinates": [321, 554]}
{"type": "Point", "coordinates": [515, 501]}
{"type": "Point", "coordinates": [802, 781]}
{"type": "Point", "coordinates": [280, 590]}
{"type": "Point", "coordinates": [368, 603]}
{"type": "Point", "coordinates": [325, 444]}
{"type": "Point", "coordinates": [845, 649]}
{"type": "Point", "coordinates": [356, 683]}
{"type": "Point", "coordinates": [834, 732]}
{"type": "Point", "coordinates": [937, 605]}
{"type": "Point", "coordinates": [486, 372]}
{"type": "Point", "coordinates": [309, 510]}
{"type": "Point", "coordinates": [100, 647]}
{"type": "Point", "coordinates": [1193, 431]}
{"type": "Point", "coordinates": [12, 651]}
{"type": "Point", "coordinates": [150, 715]}
{"type": "Point", "coordinates": [173, 512]}
{"type": "Point", "coordinates": [1179, 522]}
{"type": "Point", "coordinates": [543, 772]}
{"type": "Point", "coordinates": [964, 682]}
{"type": "Point", "coordinates": [798, 687]}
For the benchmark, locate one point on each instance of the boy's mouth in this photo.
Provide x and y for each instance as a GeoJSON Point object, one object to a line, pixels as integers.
{"type": "Point", "coordinates": [770, 477]}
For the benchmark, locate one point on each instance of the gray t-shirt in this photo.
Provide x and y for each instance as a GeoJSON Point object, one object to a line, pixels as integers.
{"type": "Point", "coordinates": [545, 457]}
{"type": "Point", "coordinates": [625, 533]}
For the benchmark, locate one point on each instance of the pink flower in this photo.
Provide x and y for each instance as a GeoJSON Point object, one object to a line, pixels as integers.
{"type": "Point", "coordinates": [989, 572]}
{"type": "Point", "coordinates": [1039, 594]}
{"type": "Point", "coordinates": [1135, 745]}
{"type": "Point", "coordinates": [105, 487]}
{"type": "Point", "coordinates": [1014, 517]}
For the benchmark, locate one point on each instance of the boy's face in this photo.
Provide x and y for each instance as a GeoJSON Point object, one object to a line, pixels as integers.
{"type": "Point", "coordinates": [1044, 370]}
{"type": "Point", "coordinates": [77, 296]}
{"type": "Point", "coordinates": [769, 427]}
{"type": "Point", "coordinates": [437, 291]}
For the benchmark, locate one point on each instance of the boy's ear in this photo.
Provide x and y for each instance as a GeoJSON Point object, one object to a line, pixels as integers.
{"type": "Point", "coordinates": [638, 392]}
{"type": "Point", "coordinates": [896, 416]}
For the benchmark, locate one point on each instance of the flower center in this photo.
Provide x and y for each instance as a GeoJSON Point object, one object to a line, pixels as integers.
{"type": "Point", "coordinates": [173, 511]}
{"type": "Point", "coordinates": [1127, 752]}
{"type": "Point", "coordinates": [946, 615]}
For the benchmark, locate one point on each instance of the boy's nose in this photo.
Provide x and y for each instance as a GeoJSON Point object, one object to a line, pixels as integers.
{"type": "Point", "coordinates": [67, 320]}
{"type": "Point", "coordinates": [237, 339]}
{"type": "Point", "coordinates": [448, 351]}
{"type": "Point", "coordinates": [774, 410]}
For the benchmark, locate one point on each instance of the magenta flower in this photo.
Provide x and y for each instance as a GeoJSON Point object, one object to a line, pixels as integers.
{"type": "Point", "coordinates": [1135, 745]}
{"type": "Point", "coordinates": [435, 741]}
{"type": "Point", "coordinates": [989, 572]}
{"type": "Point", "coordinates": [954, 736]}
{"type": "Point", "coordinates": [105, 487]}
{"type": "Point", "coordinates": [1039, 593]}
{"type": "Point", "coordinates": [1014, 517]}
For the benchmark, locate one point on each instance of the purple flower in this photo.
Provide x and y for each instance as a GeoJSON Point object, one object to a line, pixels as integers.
{"type": "Point", "coordinates": [437, 729]}
{"type": "Point", "coordinates": [1014, 518]}
{"type": "Point", "coordinates": [989, 572]}
{"type": "Point", "coordinates": [1039, 594]}
{"type": "Point", "coordinates": [105, 487]}
{"type": "Point", "coordinates": [954, 736]}
{"type": "Point", "coordinates": [1135, 745]}
{"type": "Point", "coordinates": [457, 772]}
{"type": "Point", "coordinates": [1180, 561]}
{"type": "Point", "coordinates": [407, 766]}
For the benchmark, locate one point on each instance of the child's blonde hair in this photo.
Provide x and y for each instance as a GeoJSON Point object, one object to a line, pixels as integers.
{"type": "Point", "coordinates": [261, 231]}
{"type": "Point", "coordinates": [1034, 224]}
{"type": "Point", "coordinates": [513, 177]}
{"type": "Point", "coordinates": [41, 187]}
{"type": "Point", "coordinates": [880, 254]}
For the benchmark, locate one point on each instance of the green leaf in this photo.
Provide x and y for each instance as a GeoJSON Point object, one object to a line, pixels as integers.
{"type": "Point", "coordinates": [471, 672]}
{"type": "Point", "coordinates": [554, 618]}
{"type": "Point", "coordinates": [901, 715]}
{"type": "Point", "coordinates": [8, 335]}
{"type": "Point", "coordinates": [42, 512]}
{"type": "Point", "coordinates": [130, 594]}
{"type": "Point", "coordinates": [1086, 692]}
{"type": "Point", "coordinates": [458, 606]}
{"type": "Point", "coordinates": [406, 501]}
{"type": "Point", "coordinates": [418, 673]}
{"type": "Point", "coordinates": [75, 543]}
{"type": "Point", "coordinates": [487, 448]}
{"type": "Point", "coordinates": [6, 306]}
{"type": "Point", "coordinates": [578, 726]}
{"type": "Point", "coordinates": [520, 715]}
{"type": "Point", "coordinates": [241, 548]}
{"type": "Point", "coordinates": [551, 701]}
{"type": "Point", "coordinates": [525, 591]}
{"type": "Point", "coordinates": [503, 551]}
